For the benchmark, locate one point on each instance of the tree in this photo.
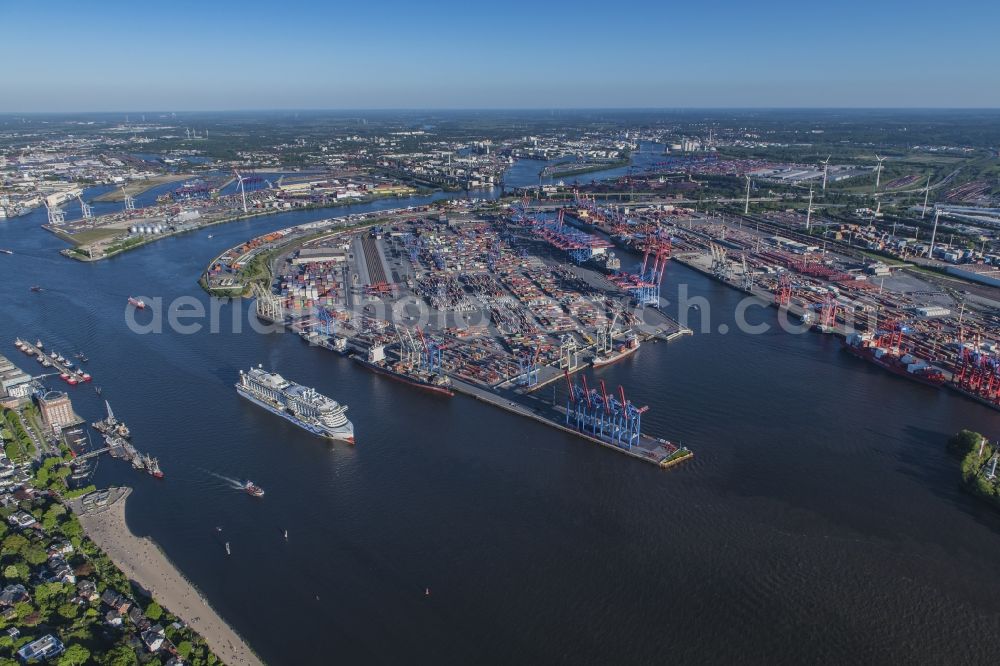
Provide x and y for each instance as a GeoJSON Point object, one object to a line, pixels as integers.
{"type": "Point", "coordinates": [68, 610]}
{"type": "Point", "coordinates": [184, 648]}
{"type": "Point", "coordinates": [964, 442]}
{"type": "Point", "coordinates": [71, 530]}
{"type": "Point", "coordinates": [154, 611]}
{"type": "Point", "coordinates": [75, 655]}
{"type": "Point", "coordinates": [36, 555]}
{"type": "Point", "coordinates": [13, 545]}
{"type": "Point", "coordinates": [46, 592]}
{"type": "Point", "coordinates": [24, 609]}
{"type": "Point", "coordinates": [120, 656]}
{"type": "Point", "coordinates": [19, 571]}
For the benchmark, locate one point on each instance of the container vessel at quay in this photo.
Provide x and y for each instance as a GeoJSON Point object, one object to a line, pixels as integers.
{"type": "Point", "coordinates": [904, 365]}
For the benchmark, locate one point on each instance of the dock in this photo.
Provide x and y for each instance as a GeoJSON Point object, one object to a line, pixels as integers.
{"type": "Point", "coordinates": [67, 372]}
{"type": "Point", "coordinates": [659, 452]}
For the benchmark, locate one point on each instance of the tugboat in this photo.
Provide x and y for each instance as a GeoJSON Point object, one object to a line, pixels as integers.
{"type": "Point", "coordinates": [253, 489]}
{"type": "Point", "coordinates": [153, 467]}
{"type": "Point", "coordinates": [137, 303]}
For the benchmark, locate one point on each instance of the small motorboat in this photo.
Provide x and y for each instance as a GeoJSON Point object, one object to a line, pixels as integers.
{"type": "Point", "coordinates": [253, 489]}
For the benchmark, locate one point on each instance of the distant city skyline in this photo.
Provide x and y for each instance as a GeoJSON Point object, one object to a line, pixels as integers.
{"type": "Point", "coordinates": [450, 55]}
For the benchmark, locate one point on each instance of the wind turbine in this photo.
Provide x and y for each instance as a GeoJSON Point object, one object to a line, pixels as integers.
{"type": "Point", "coordinates": [878, 170]}
{"type": "Point", "coordinates": [930, 252]}
{"type": "Point", "coordinates": [927, 193]}
{"type": "Point", "coordinates": [746, 207]}
{"type": "Point", "coordinates": [809, 210]}
{"type": "Point", "coordinates": [826, 168]}
{"type": "Point", "coordinates": [243, 190]}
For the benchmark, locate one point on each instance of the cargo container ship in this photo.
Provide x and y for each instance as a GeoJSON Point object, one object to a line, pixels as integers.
{"type": "Point", "coordinates": [435, 383]}
{"type": "Point", "coordinates": [301, 405]}
{"type": "Point", "coordinates": [630, 347]}
{"type": "Point", "coordinates": [905, 365]}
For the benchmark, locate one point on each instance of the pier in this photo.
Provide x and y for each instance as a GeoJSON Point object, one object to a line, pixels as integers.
{"type": "Point", "coordinates": [67, 372]}
{"type": "Point", "coordinates": [659, 452]}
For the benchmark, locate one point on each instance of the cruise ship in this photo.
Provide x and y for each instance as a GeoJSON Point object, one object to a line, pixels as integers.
{"type": "Point", "coordinates": [301, 405]}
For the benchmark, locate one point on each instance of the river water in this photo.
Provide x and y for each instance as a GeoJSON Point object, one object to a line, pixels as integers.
{"type": "Point", "coordinates": [821, 520]}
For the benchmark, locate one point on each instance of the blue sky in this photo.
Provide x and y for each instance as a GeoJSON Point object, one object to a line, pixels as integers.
{"type": "Point", "coordinates": [63, 56]}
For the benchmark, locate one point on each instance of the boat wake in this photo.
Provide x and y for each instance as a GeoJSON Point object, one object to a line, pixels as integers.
{"type": "Point", "coordinates": [235, 484]}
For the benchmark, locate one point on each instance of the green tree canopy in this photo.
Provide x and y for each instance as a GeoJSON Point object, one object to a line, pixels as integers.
{"type": "Point", "coordinates": [154, 611]}
{"type": "Point", "coordinates": [35, 554]}
{"type": "Point", "coordinates": [120, 656]}
{"type": "Point", "coordinates": [963, 442]}
{"type": "Point", "coordinates": [75, 655]}
{"type": "Point", "coordinates": [68, 610]}
{"type": "Point", "coordinates": [13, 544]}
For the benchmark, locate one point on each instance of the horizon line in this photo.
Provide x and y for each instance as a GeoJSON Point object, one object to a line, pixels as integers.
{"type": "Point", "coordinates": [667, 109]}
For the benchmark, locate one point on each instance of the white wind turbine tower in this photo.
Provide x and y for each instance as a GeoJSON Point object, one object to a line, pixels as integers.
{"type": "Point", "coordinates": [243, 191]}
{"type": "Point", "coordinates": [746, 207]}
{"type": "Point", "coordinates": [809, 211]}
{"type": "Point", "coordinates": [927, 193]}
{"type": "Point", "coordinates": [826, 169]}
{"type": "Point", "coordinates": [878, 171]}
{"type": "Point", "coordinates": [930, 251]}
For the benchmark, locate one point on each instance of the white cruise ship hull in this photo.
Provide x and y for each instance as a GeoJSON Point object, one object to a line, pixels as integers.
{"type": "Point", "coordinates": [343, 433]}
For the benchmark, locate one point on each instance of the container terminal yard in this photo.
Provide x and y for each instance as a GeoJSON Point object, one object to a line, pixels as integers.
{"type": "Point", "coordinates": [496, 303]}
{"type": "Point", "coordinates": [910, 321]}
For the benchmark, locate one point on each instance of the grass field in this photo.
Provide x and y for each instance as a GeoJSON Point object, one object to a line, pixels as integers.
{"type": "Point", "coordinates": [90, 236]}
{"type": "Point", "coordinates": [137, 187]}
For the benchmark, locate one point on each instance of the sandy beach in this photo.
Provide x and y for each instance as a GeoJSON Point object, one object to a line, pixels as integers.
{"type": "Point", "coordinates": [143, 562]}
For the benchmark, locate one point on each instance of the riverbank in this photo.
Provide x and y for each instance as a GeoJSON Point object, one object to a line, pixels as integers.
{"type": "Point", "coordinates": [143, 562]}
{"type": "Point", "coordinates": [979, 465]}
{"type": "Point", "coordinates": [78, 251]}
